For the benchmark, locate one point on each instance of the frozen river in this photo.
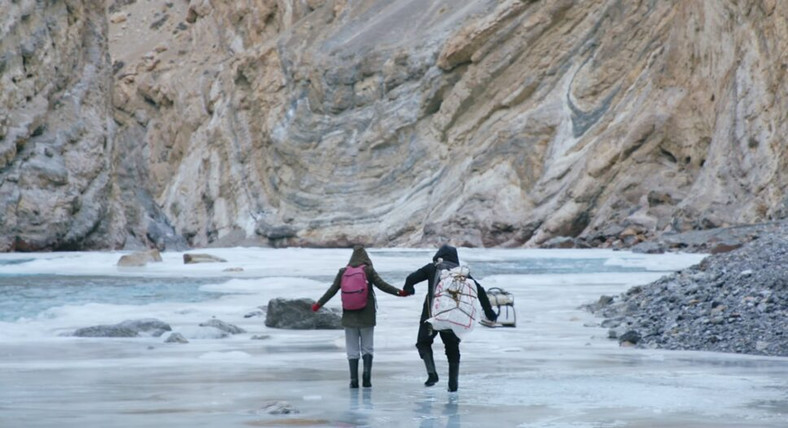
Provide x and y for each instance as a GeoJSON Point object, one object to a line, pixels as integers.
{"type": "Point", "coordinates": [555, 369]}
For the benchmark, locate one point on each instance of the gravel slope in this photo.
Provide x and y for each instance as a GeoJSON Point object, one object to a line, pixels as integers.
{"type": "Point", "coordinates": [730, 302]}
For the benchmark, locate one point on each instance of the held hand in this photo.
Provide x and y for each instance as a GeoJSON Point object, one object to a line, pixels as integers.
{"type": "Point", "coordinates": [403, 293]}
{"type": "Point", "coordinates": [315, 307]}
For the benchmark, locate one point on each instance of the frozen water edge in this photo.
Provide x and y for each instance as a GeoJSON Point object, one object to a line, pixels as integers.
{"type": "Point", "coordinates": [552, 370]}
{"type": "Point", "coordinates": [558, 383]}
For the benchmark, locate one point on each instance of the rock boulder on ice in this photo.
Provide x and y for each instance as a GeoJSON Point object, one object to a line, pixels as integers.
{"type": "Point", "coordinates": [128, 328]}
{"type": "Point", "coordinates": [297, 314]}
{"type": "Point", "coordinates": [223, 326]}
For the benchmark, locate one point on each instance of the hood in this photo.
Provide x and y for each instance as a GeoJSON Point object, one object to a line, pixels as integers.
{"type": "Point", "coordinates": [359, 257]}
{"type": "Point", "coordinates": [447, 253]}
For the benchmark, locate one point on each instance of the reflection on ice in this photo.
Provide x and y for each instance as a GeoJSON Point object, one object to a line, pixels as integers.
{"type": "Point", "coordinates": [438, 413]}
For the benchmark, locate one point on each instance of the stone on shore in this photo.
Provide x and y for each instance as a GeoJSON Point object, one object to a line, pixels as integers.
{"type": "Point", "coordinates": [201, 258]}
{"type": "Point", "coordinates": [139, 258]}
{"type": "Point", "coordinates": [223, 326]}
{"type": "Point", "coordinates": [129, 328]}
{"type": "Point", "coordinates": [176, 338]}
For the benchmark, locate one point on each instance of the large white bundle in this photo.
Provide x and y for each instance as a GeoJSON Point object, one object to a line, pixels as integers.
{"type": "Point", "coordinates": [454, 304]}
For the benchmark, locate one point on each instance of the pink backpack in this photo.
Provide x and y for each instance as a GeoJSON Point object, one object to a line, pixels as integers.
{"type": "Point", "coordinates": [354, 288]}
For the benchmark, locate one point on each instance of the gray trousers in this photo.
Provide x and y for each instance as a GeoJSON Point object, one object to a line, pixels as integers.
{"type": "Point", "coordinates": [359, 341]}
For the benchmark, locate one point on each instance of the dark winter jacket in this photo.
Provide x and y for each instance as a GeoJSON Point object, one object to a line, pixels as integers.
{"type": "Point", "coordinates": [363, 317]}
{"type": "Point", "coordinates": [445, 258]}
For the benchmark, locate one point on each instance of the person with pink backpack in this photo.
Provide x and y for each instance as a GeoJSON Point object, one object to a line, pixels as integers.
{"type": "Point", "coordinates": [358, 310]}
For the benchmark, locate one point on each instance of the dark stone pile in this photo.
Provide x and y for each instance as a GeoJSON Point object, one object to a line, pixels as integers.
{"type": "Point", "coordinates": [730, 302]}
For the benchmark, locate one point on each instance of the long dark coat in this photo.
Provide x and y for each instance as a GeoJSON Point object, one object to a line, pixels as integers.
{"type": "Point", "coordinates": [366, 317]}
{"type": "Point", "coordinates": [446, 254]}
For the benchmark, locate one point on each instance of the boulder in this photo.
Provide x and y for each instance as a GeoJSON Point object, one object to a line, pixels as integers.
{"type": "Point", "coordinates": [105, 331]}
{"type": "Point", "coordinates": [139, 258]}
{"type": "Point", "coordinates": [223, 326]}
{"type": "Point", "coordinates": [201, 258]}
{"type": "Point", "coordinates": [297, 314]}
{"type": "Point", "coordinates": [150, 326]}
{"type": "Point", "coordinates": [176, 338]}
{"type": "Point", "coordinates": [128, 328]}
{"type": "Point", "coordinates": [629, 338]}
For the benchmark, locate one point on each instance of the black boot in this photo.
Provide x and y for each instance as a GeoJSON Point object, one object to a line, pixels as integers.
{"type": "Point", "coordinates": [432, 374]}
{"type": "Point", "coordinates": [353, 363]}
{"type": "Point", "coordinates": [366, 376]}
{"type": "Point", "coordinates": [454, 374]}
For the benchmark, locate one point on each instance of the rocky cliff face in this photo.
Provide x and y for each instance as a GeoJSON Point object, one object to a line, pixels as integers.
{"type": "Point", "coordinates": [56, 133]}
{"type": "Point", "coordinates": [323, 122]}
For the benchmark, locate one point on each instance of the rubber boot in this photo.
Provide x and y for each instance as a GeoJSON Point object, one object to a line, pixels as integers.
{"type": "Point", "coordinates": [454, 374]}
{"type": "Point", "coordinates": [353, 364]}
{"type": "Point", "coordinates": [366, 375]}
{"type": "Point", "coordinates": [432, 374]}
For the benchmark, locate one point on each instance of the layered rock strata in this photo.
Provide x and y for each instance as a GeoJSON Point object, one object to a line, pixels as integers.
{"type": "Point", "coordinates": [483, 123]}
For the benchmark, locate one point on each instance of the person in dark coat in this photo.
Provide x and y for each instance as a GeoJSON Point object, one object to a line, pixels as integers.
{"type": "Point", "coordinates": [359, 324]}
{"type": "Point", "coordinates": [445, 258]}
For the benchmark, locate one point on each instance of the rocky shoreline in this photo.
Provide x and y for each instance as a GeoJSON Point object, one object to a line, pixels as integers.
{"type": "Point", "coordinates": [734, 301]}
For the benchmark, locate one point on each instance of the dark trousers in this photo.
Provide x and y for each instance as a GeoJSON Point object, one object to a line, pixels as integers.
{"type": "Point", "coordinates": [426, 336]}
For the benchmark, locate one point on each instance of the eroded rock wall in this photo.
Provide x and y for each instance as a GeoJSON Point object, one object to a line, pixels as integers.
{"type": "Point", "coordinates": [56, 144]}
{"type": "Point", "coordinates": [324, 122]}
{"type": "Point", "coordinates": [488, 123]}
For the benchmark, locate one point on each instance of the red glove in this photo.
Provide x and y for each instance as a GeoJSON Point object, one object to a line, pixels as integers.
{"type": "Point", "coordinates": [403, 293]}
{"type": "Point", "coordinates": [315, 307]}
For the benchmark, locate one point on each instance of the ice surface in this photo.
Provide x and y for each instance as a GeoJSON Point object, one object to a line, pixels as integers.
{"type": "Point", "coordinates": [555, 369]}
